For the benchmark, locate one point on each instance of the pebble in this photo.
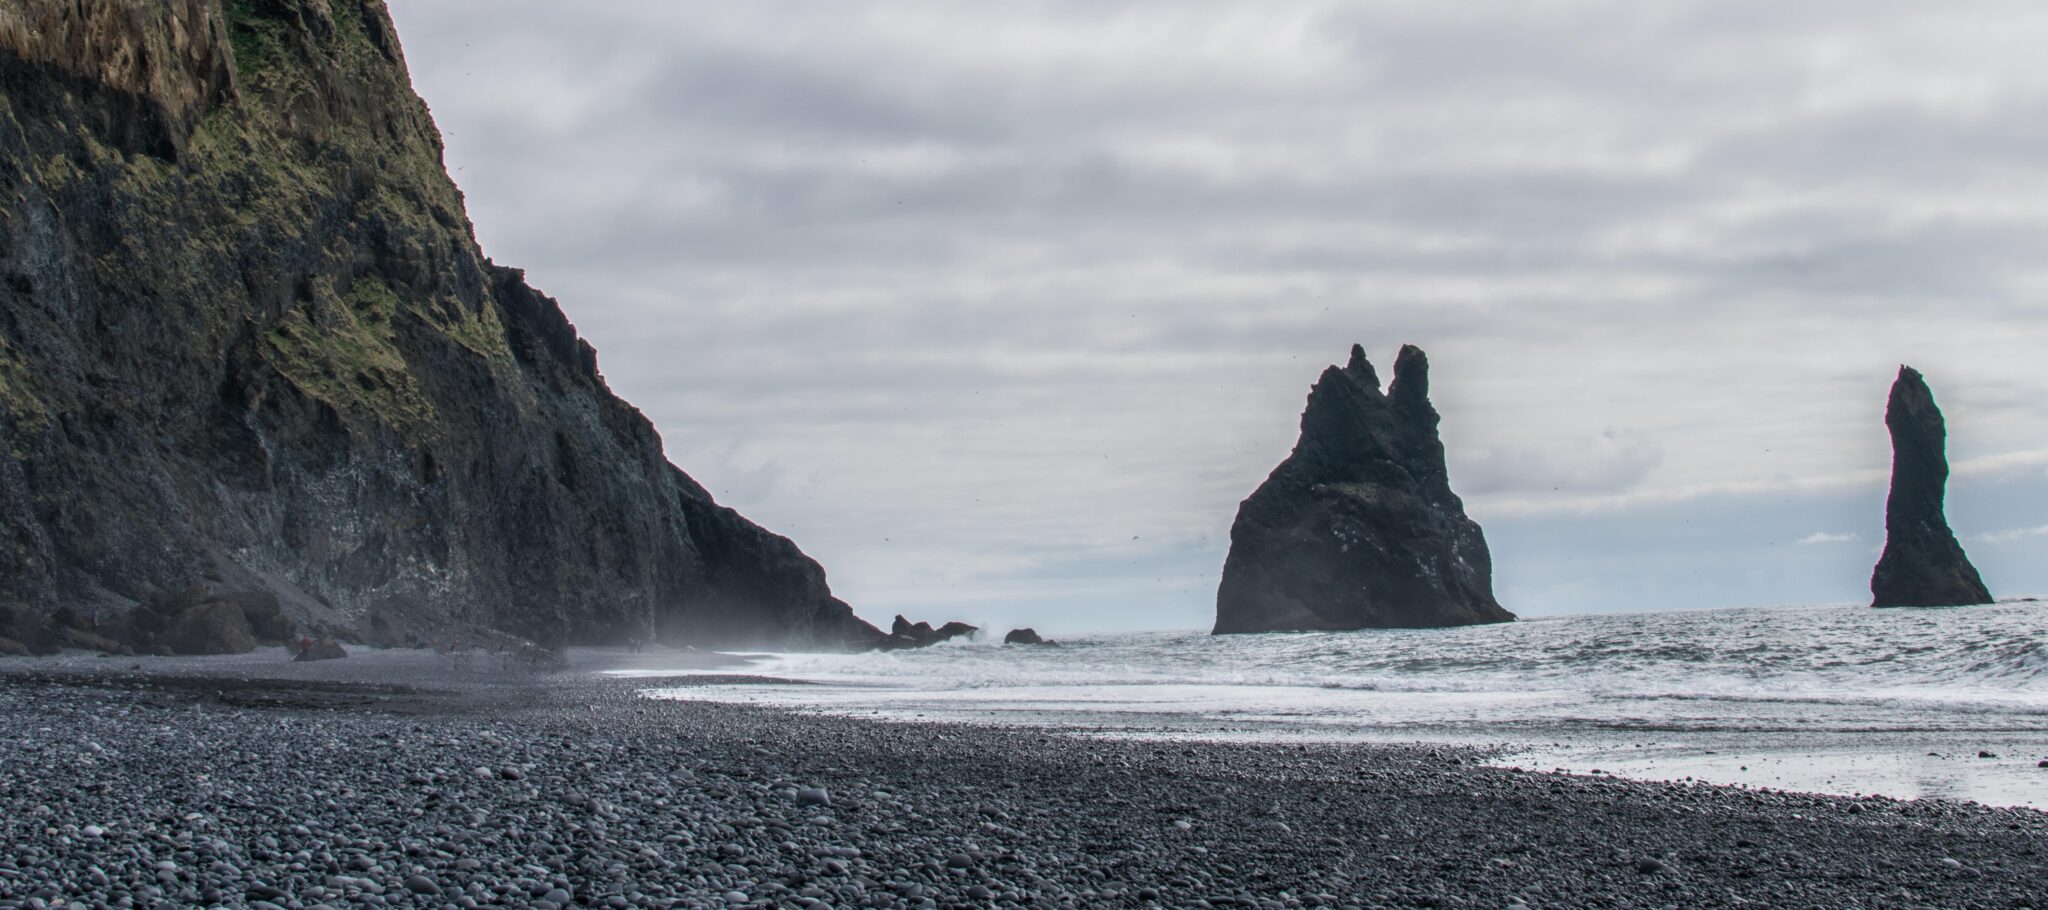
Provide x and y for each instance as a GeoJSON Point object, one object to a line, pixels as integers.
{"type": "Point", "coordinates": [645, 803]}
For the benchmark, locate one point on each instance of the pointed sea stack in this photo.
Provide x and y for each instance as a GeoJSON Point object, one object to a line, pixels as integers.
{"type": "Point", "coordinates": [1358, 528]}
{"type": "Point", "coordinates": [1922, 565]}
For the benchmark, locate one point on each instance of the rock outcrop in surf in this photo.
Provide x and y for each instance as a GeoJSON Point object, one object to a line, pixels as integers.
{"type": "Point", "coordinates": [1358, 527]}
{"type": "Point", "coordinates": [1923, 565]}
{"type": "Point", "coordinates": [906, 634]}
{"type": "Point", "coordinates": [249, 348]}
{"type": "Point", "coordinates": [1027, 636]}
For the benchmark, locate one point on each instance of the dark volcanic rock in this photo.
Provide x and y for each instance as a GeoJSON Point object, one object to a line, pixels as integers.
{"type": "Point", "coordinates": [1026, 637]}
{"type": "Point", "coordinates": [905, 634]}
{"type": "Point", "coordinates": [1358, 528]}
{"type": "Point", "coordinates": [1922, 565]}
{"type": "Point", "coordinates": [248, 343]}
{"type": "Point", "coordinates": [213, 627]}
{"type": "Point", "coordinates": [91, 641]}
{"type": "Point", "coordinates": [33, 631]}
{"type": "Point", "coordinates": [904, 628]}
{"type": "Point", "coordinates": [267, 621]}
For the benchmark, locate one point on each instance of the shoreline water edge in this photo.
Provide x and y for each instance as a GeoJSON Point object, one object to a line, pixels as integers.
{"type": "Point", "coordinates": [1828, 699]}
{"type": "Point", "coordinates": [413, 779]}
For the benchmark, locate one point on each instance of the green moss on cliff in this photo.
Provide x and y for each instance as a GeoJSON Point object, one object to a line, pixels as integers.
{"type": "Point", "coordinates": [17, 395]}
{"type": "Point", "coordinates": [481, 332]}
{"type": "Point", "coordinates": [344, 352]}
{"type": "Point", "coordinates": [323, 151]}
{"type": "Point", "coordinates": [256, 31]}
{"type": "Point", "coordinates": [323, 139]}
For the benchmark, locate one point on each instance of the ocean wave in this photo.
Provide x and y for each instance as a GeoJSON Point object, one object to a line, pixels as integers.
{"type": "Point", "coordinates": [1832, 669]}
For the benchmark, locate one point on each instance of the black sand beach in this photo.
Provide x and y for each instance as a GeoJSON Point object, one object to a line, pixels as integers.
{"type": "Point", "coordinates": [402, 779]}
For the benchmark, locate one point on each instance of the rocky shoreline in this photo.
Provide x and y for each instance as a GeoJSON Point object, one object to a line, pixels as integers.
{"type": "Point", "coordinates": [404, 778]}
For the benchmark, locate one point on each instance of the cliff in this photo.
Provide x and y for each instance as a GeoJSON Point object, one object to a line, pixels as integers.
{"type": "Point", "coordinates": [1922, 565]}
{"type": "Point", "coordinates": [248, 344]}
{"type": "Point", "coordinates": [1358, 527]}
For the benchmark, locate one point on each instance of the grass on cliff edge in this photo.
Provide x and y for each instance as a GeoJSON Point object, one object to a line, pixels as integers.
{"type": "Point", "coordinates": [342, 350]}
{"type": "Point", "coordinates": [341, 347]}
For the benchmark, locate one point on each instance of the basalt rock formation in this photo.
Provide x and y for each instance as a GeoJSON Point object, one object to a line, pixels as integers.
{"type": "Point", "coordinates": [1027, 637]}
{"type": "Point", "coordinates": [249, 346]}
{"type": "Point", "coordinates": [1922, 565]}
{"type": "Point", "coordinates": [906, 634]}
{"type": "Point", "coordinates": [1358, 527]}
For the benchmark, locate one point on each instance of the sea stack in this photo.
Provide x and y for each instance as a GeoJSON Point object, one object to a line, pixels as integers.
{"type": "Point", "coordinates": [1922, 565]}
{"type": "Point", "coordinates": [1358, 527]}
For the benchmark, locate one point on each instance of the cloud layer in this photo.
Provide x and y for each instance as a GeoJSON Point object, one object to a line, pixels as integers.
{"type": "Point", "coordinates": [1009, 305]}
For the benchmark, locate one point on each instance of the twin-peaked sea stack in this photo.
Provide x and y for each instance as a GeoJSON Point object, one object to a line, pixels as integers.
{"type": "Point", "coordinates": [1922, 565]}
{"type": "Point", "coordinates": [1358, 528]}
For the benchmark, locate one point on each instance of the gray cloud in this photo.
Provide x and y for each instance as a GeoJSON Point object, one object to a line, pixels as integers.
{"type": "Point", "coordinates": [1611, 462]}
{"type": "Point", "coordinates": [1012, 286]}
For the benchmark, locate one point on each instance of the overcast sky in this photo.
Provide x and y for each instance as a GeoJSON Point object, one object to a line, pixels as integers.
{"type": "Point", "coordinates": [1000, 309]}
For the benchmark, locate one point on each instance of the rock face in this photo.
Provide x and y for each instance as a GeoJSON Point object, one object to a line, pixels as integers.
{"type": "Point", "coordinates": [906, 634]}
{"type": "Point", "coordinates": [1026, 637]}
{"type": "Point", "coordinates": [1358, 528]}
{"type": "Point", "coordinates": [214, 627]}
{"type": "Point", "coordinates": [1922, 565]}
{"type": "Point", "coordinates": [249, 346]}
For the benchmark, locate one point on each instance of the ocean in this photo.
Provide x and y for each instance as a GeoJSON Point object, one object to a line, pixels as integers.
{"type": "Point", "coordinates": [1909, 703]}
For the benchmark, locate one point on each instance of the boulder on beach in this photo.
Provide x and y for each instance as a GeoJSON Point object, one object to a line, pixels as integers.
{"type": "Point", "coordinates": [88, 640]}
{"type": "Point", "coordinates": [1923, 565]}
{"type": "Point", "coordinates": [11, 648]}
{"type": "Point", "coordinates": [1358, 527]}
{"type": "Point", "coordinates": [268, 623]}
{"type": "Point", "coordinates": [34, 632]}
{"type": "Point", "coordinates": [210, 627]}
{"type": "Point", "coordinates": [1026, 636]}
{"type": "Point", "coordinates": [322, 649]}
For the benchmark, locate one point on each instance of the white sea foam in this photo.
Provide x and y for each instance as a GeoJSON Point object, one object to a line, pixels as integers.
{"type": "Point", "coordinates": [1830, 699]}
